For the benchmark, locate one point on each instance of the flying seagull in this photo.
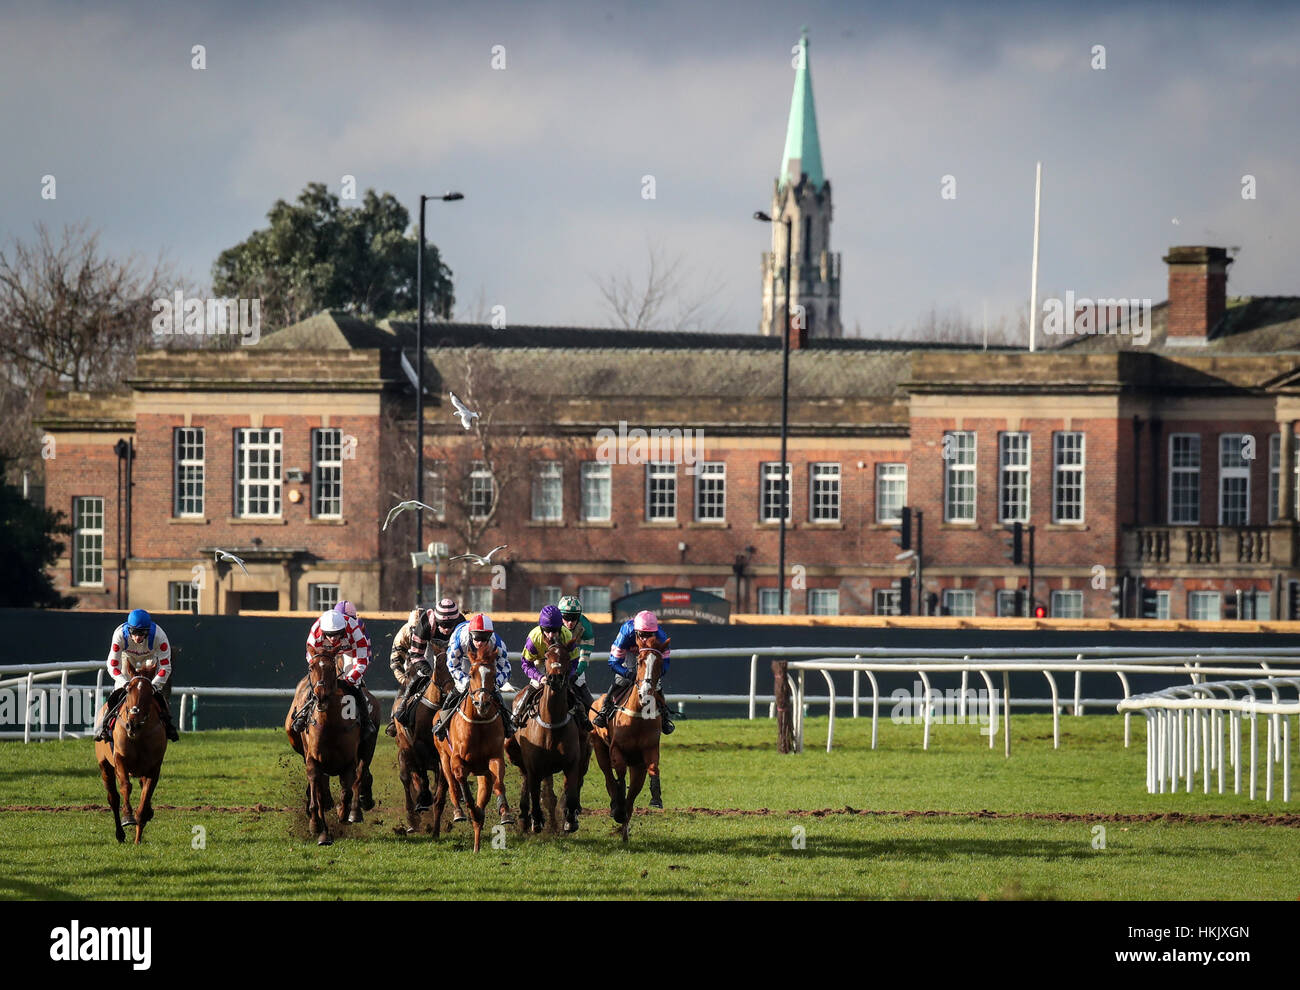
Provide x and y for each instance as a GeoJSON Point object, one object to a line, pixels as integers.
{"type": "Point", "coordinates": [402, 507]}
{"type": "Point", "coordinates": [223, 555]}
{"type": "Point", "coordinates": [466, 417]}
{"type": "Point", "coordinates": [485, 559]}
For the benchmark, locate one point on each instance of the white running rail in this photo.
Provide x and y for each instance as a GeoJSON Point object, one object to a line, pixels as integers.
{"type": "Point", "coordinates": [1186, 733]}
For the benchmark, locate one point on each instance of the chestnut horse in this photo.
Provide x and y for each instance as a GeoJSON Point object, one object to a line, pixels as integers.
{"type": "Point", "coordinates": [417, 751]}
{"type": "Point", "coordinates": [475, 744]}
{"type": "Point", "coordinates": [631, 740]}
{"type": "Point", "coordinates": [330, 744]}
{"type": "Point", "coordinates": [139, 744]}
{"type": "Point", "coordinates": [550, 743]}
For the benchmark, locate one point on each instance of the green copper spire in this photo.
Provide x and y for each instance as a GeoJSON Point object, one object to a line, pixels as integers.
{"type": "Point", "coordinates": [803, 152]}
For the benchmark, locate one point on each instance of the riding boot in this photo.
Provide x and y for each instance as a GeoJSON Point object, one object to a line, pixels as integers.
{"type": "Point", "coordinates": [399, 708]}
{"type": "Point", "coordinates": [454, 698]}
{"type": "Point", "coordinates": [581, 699]}
{"type": "Point", "coordinates": [165, 713]}
{"type": "Point", "coordinates": [301, 719]}
{"type": "Point", "coordinates": [656, 795]}
{"type": "Point", "coordinates": [115, 699]}
{"type": "Point", "coordinates": [667, 721]}
{"type": "Point", "coordinates": [367, 725]}
{"type": "Point", "coordinates": [607, 711]}
{"type": "Point", "coordinates": [505, 712]}
{"type": "Point", "coordinates": [585, 699]}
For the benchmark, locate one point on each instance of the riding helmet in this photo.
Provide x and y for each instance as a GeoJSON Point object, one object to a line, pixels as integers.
{"type": "Point", "coordinates": [646, 622]}
{"type": "Point", "coordinates": [570, 606]}
{"type": "Point", "coordinates": [139, 620]}
{"type": "Point", "coordinates": [333, 621]}
{"type": "Point", "coordinates": [550, 618]}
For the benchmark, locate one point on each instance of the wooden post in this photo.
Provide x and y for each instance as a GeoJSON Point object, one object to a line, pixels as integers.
{"type": "Point", "coordinates": [784, 709]}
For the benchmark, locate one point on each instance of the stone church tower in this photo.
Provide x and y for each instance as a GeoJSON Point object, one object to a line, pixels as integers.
{"type": "Point", "coordinates": [803, 194]}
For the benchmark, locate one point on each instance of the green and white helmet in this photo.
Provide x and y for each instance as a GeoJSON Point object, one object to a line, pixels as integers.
{"type": "Point", "coordinates": [570, 605]}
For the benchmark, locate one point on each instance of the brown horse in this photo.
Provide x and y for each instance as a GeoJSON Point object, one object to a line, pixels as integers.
{"type": "Point", "coordinates": [631, 740]}
{"type": "Point", "coordinates": [417, 751]}
{"type": "Point", "coordinates": [138, 747]}
{"type": "Point", "coordinates": [550, 743]}
{"type": "Point", "coordinates": [475, 744]}
{"type": "Point", "coordinates": [330, 744]}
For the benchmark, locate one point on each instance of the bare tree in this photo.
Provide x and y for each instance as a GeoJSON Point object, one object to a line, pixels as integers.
{"type": "Point", "coordinates": [663, 298]}
{"type": "Point", "coordinates": [70, 317]}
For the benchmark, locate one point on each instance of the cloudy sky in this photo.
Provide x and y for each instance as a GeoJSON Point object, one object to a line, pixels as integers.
{"type": "Point", "coordinates": [551, 150]}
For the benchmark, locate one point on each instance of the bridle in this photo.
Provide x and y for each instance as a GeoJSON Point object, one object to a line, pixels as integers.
{"type": "Point", "coordinates": [131, 714]}
{"type": "Point", "coordinates": [646, 689]}
{"type": "Point", "coordinates": [480, 698]}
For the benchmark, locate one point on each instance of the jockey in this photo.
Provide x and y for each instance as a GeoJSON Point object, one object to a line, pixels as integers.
{"type": "Point", "coordinates": [550, 630]}
{"type": "Point", "coordinates": [139, 640]}
{"type": "Point", "coordinates": [571, 612]}
{"type": "Point", "coordinates": [634, 634]}
{"type": "Point", "coordinates": [479, 628]}
{"type": "Point", "coordinates": [411, 645]}
{"type": "Point", "coordinates": [335, 632]}
{"type": "Point", "coordinates": [350, 610]}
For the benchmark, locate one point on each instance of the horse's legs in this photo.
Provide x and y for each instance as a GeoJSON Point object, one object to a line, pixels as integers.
{"type": "Point", "coordinates": [605, 760]}
{"type": "Point", "coordinates": [145, 812]}
{"type": "Point", "coordinates": [316, 783]}
{"type": "Point", "coordinates": [366, 756]}
{"type": "Point", "coordinates": [485, 784]}
{"type": "Point", "coordinates": [440, 798]}
{"type": "Point", "coordinates": [350, 789]}
{"type": "Point", "coordinates": [109, 775]}
{"type": "Point", "coordinates": [124, 785]}
{"type": "Point", "coordinates": [497, 770]}
{"type": "Point", "coordinates": [633, 789]}
{"type": "Point", "coordinates": [404, 760]}
{"type": "Point", "coordinates": [548, 781]}
{"type": "Point", "coordinates": [525, 803]}
{"type": "Point", "coordinates": [535, 795]}
{"type": "Point", "coordinates": [572, 797]}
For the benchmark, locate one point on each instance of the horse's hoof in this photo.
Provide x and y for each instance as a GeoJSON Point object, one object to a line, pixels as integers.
{"type": "Point", "coordinates": [356, 818]}
{"type": "Point", "coordinates": [459, 816]}
{"type": "Point", "coordinates": [128, 823]}
{"type": "Point", "coordinates": [367, 802]}
{"type": "Point", "coordinates": [507, 818]}
{"type": "Point", "coordinates": [121, 835]}
{"type": "Point", "coordinates": [656, 803]}
{"type": "Point", "coordinates": [570, 826]}
{"type": "Point", "coordinates": [424, 803]}
{"type": "Point", "coordinates": [537, 827]}
{"type": "Point", "coordinates": [324, 840]}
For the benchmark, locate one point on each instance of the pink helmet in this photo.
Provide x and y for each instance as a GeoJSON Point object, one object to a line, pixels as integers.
{"type": "Point", "coordinates": [346, 608]}
{"type": "Point", "coordinates": [646, 622]}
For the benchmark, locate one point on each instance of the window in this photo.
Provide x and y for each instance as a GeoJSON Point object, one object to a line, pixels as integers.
{"type": "Point", "coordinates": [435, 489]}
{"type": "Point", "coordinates": [182, 596]}
{"type": "Point", "coordinates": [824, 496]}
{"type": "Point", "coordinates": [1067, 480]}
{"type": "Point", "coordinates": [887, 601]}
{"type": "Point", "coordinates": [1162, 605]}
{"type": "Point", "coordinates": [1234, 481]}
{"type": "Point", "coordinates": [772, 492]}
{"type": "Point", "coordinates": [595, 599]}
{"type": "Point", "coordinates": [823, 601]}
{"type": "Point", "coordinates": [1203, 605]}
{"type": "Point", "coordinates": [959, 476]}
{"type": "Point", "coordinates": [543, 595]}
{"type": "Point", "coordinates": [1256, 605]}
{"type": "Point", "coordinates": [1013, 477]}
{"type": "Point", "coordinates": [595, 492]}
{"type": "Point", "coordinates": [1184, 479]}
{"type": "Point", "coordinates": [548, 491]}
{"type": "Point", "coordinates": [1067, 604]}
{"type": "Point", "coordinates": [327, 473]}
{"type": "Point", "coordinates": [1006, 603]}
{"type": "Point", "coordinates": [660, 491]}
{"type": "Point", "coordinates": [189, 471]}
{"type": "Point", "coordinates": [88, 540]}
{"type": "Point", "coordinates": [258, 458]}
{"type": "Point", "coordinates": [720, 592]}
{"type": "Point", "coordinates": [1275, 476]}
{"type": "Point", "coordinates": [482, 491]}
{"type": "Point", "coordinates": [767, 602]}
{"type": "Point", "coordinates": [891, 492]}
{"type": "Point", "coordinates": [478, 598]}
{"type": "Point", "coordinates": [710, 491]}
{"type": "Point", "coordinates": [323, 596]}
{"type": "Point", "coordinates": [959, 602]}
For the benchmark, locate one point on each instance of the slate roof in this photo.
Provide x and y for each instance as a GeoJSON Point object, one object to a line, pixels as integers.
{"type": "Point", "coordinates": [1251, 325]}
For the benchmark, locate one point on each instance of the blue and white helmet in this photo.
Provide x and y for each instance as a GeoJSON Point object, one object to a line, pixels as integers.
{"type": "Point", "coordinates": [138, 621]}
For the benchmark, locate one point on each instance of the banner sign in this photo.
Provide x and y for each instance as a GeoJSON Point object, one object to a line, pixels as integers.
{"type": "Point", "coordinates": [676, 604]}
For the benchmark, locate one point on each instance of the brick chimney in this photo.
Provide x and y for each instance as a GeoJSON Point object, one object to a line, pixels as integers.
{"type": "Point", "coordinates": [798, 335]}
{"type": "Point", "coordinates": [1198, 292]}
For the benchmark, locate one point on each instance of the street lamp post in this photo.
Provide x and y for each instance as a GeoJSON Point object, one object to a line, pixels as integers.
{"type": "Point", "coordinates": [419, 385]}
{"type": "Point", "coordinates": [784, 722]}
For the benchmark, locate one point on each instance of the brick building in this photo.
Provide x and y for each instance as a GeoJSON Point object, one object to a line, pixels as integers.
{"type": "Point", "coordinates": [1160, 463]}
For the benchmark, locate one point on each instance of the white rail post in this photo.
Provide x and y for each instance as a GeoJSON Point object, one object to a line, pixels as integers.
{"type": "Point", "coordinates": [965, 680]}
{"type": "Point", "coordinates": [993, 707]}
{"type": "Point", "coordinates": [1286, 760]}
{"type": "Point", "coordinates": [1078, 687]}
{"type": "Point", "coordinates": [1268, 760]}
{"type": "Point", "coordinates": [1006, 713]}
{"type": "Point", "coordinates": [830, 728]}
{"type": "Point", "coordinates": [63, 702]}
{"type": "Point", "coordinates": [925, 713]}
{"type": "Point", "coordinates": [180, 723]}
{"type": "Point", "coordinates": [875, 706]}
{"type": "Point", "coordinates": [1127, 715]}
{"type": "Point", "coordinates": [753, 684]}
{"type": "Point", "coordinates": [1056, 711]}
{"type": "Point", "coordinates": [1254, 750]}
{"type": "Point", "coordinates": [856, 658]}
{"type": "Point", "coordinates": [27, 710]}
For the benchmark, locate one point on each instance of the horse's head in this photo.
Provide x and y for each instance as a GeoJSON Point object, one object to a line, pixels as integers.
{"type": "Point", "coordinates": [322, 672]}
{"type": "Point", "coordinates": [482, 680]}
{"type": "Point", "coordinates": [649, 668]}
{"type": "Point", "coordinates": [138, 706]}
{"type": "Point", "coordinates": [557, 664]}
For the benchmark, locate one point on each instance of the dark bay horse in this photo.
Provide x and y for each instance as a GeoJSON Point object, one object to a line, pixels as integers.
{"type": "Point", "coordinates": [417, 751]}
{"type": "Point", "coordinates": [631, 740]}
{"type": "Point", "coordinates": [550, 743]}
{"type": "Point", "coordinates": [329, 745]}
{"type": "Point", "coordinates": [475, 744]}
{"type": "Point", "coordinates": [138, 747]}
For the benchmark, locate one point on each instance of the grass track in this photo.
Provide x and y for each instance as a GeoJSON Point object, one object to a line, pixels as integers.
{"type": "Point", "coordinates": [676, 854]}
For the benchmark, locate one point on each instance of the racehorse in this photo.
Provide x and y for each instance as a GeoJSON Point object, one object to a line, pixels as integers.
{"type": "Point", "coordinates": [331, 745]}
{"type": "Point", "coordinates": [139, 744]}
{"type": "Point", "coordinates": [631, 740]}
{"type": "Point", "coordinates": [417, 751]}
{"type": "Point", "coordinates": [550, 743]}
{"type": "Point", "coordinates": [474, 743]}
